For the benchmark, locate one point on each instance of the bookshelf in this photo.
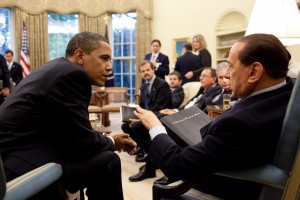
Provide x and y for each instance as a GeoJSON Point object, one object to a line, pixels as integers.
{"type": "Point", "coordinates": [230, 27]}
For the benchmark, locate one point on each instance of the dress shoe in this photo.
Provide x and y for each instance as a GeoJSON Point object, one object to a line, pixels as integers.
{"type": "Point", "coordinates": [141, 157]}
{"type": "Point", "coordinates": [143, 174]}
{"type": "Point", "coordinates": [138, 151]}
{"type": "Point", "coordinates": [162, 181]}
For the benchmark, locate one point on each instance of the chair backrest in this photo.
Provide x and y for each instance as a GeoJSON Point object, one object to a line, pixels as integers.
{"type": "Point", "coordinates": [2, 180]}
{"type": "Point", "coordinates": [290, 135]}
{"type": "Point", "coordinates": [117, 95]}
{"type": "Point", "coordinates": [190, 90]}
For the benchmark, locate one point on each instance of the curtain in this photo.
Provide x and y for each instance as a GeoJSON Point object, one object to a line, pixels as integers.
{"type": "Point", "coordinates": [37, 35]}
{"type": "Point", "coordinates": [92, 24]}
{"type": "Point", "coordinates": [143, 40]}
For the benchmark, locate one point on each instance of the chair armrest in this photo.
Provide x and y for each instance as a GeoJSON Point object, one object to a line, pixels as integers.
{"type": "Point", "coordinates": [171, 191]}
{"type": "Point", "coordinates": [33, 182]}
{"type": "Point", "coordinates": [265, 174]}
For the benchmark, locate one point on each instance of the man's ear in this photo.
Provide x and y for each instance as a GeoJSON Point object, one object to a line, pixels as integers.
{"type": "Point", "coordinates": [256, 71]}
{"type": "Point", "coordinates": [78, 56]}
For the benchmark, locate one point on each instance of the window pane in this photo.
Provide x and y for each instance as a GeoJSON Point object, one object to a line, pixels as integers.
{"type": "Point", "coordinates": [61, 29]}
{"type": "Point", "coordinates": [117, 50]}
{"type": "Point", "coordinates": [5, 42]}
{"type": "Point", "coordinates": [126, 66]}
{"type": "Point", "coordinates": [126, 50]}
{"type": "Point", "coordinates": [117, 80]}
{"type": "Point", "coordinates": [117, 66]}
{"type": "Point", "coordinates": [117, 36]}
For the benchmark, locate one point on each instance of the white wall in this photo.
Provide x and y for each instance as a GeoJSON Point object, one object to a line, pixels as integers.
{"type": "Point", "coordinates": [178, 18]}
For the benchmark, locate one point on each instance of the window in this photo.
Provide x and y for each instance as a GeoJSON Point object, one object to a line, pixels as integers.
{"type": "Point", "coordinates": [61, 28]}
{"type": "Point", "coordinates": [124, 51]}
{"type": "Point", "coordinates": [5, 36]}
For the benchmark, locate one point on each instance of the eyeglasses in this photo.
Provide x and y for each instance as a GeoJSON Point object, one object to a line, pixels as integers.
{"type": "Point", "coordinates": [204, 76]}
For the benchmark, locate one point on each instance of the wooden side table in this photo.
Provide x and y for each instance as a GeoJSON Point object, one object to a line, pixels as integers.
{"type": "Point", "coordinates": [215, 110]}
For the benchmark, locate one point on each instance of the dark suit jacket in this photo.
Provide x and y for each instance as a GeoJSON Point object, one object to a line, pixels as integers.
{"type": "Point", "coordinates": [177, 97]}
{"type": "Point", "coordinates": [4, 72]}
{"type": "Point", "coordinates": [46, 119]}
{"type": "Point", "coordinates": [163, 69]}
{"type": "Point", "coordinates": [160, 96]}
{"type": "Point", "coordinates": [244, 135]}
{"type": "Point", "coordinates": [16, 72]}
{"type": "Point", "coordinates": [209, 95]}
{"type": "Point", "coordinates": [204, 60]}
{"type": "Point", "coordinates": [4, 77]}
{"type": "Point", "coordinates": [185, 63]}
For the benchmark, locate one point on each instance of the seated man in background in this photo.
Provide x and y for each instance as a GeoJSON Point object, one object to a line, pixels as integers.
{"type": "Point", "coordinates": [176, 89]}
{"type": "Point", "coordinates": [155, 95]}
{"type": "Point", "coordinates": [258, 66]}
{"type": "Point", "coordinates": [208, 78]}
{"type": "Point", "coordinates": [214, 95]}
{"type": "Point", "coordinates": [46, 120]}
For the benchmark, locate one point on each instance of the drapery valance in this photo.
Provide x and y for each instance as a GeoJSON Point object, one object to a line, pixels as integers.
{"type": "Point", "coordinates": [90, 8]}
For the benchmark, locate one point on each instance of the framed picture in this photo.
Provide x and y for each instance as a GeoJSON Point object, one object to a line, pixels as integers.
{"type": "Point", "coordinates": [178, 46]}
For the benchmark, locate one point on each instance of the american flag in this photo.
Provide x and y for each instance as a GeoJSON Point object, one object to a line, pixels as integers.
{"type": "Point", "coordinates": [24, 58]}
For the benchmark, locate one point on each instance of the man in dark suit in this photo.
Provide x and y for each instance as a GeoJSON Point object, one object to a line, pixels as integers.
{"type": "Point", "coordinates": [4, 79]}
{"type": "Point", "coordinates": [155, 95]}
{"type": "Point", "coordinates": [176, 89]}
{"type": "Point", "coordinates": [160, 60]}
{"type": "Point", "coordinates": [187, 62]}
{"type": "Point", "coordinates": [245, 135]}
{"type": "Point", "coordinates": [208, 78]}
{"type": "Point", "coordinates": [15, 68]}
{"type": "Point", "coordinates": [46, 119]}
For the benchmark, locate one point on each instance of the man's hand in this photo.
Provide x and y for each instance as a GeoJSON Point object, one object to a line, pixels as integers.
{"type": "Point", "coordinates": [189, 75]}
{"type": "Point", "coordinates": [168, 111]}
{"type": "Point", "coordinates": [148, 118]}
{"type": "Point", "coordinates": [132, 121]}
{"type": "Point", "coordinates": [124, 142]}
{"type": "Point", "coordinates": [5, 92]}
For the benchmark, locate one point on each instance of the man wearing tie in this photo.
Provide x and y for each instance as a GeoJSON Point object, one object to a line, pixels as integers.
{"type": "Point", "coordinates": [15, 68]}
{"type": "Point", "coordinates": [155, 95]}
{"type": "Point", "coordinates": [159, 60]}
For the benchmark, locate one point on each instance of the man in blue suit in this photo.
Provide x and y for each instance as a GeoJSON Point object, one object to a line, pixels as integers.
{"type": "Point", "coordinates": [159, 60]}
{"type": "Point", "coordinates": [245, 135]}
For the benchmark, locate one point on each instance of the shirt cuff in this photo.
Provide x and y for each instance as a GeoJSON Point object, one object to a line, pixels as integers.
{"type": "Point", "coordinates": [111, 139]}
{"type": "Point", "coordinates": [156, 130]}
{"type": "Point", "coordinates": [176, 110]}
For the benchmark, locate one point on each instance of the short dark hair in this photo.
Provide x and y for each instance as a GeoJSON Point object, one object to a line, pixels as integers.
{"type": "Point", "coordinates": [156, 40]}
{"type": "Point", "coordinates": [188, 46]}
{"type": "Point", "coordinates": [268, 50]}
{"type": "Point", "coordinates": [213, 72]}
{"type": "Point", "coordinates": [176, 73]}
{"type": "Point", "coordinates": [87, 41]}
{"type": "Point", "coordinates": [9, 51]}
{"type": "Point", "coordinates": [145, 62]}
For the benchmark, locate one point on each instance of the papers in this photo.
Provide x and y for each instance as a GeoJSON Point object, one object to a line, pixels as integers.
{"type": "Point", "coordinates": [127, 112]}
{"type": "Point", "coordinates": [187, 123]}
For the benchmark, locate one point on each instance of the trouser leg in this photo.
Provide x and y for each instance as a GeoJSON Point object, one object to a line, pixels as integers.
{"type": "Point", "coordinates": [101, 175]}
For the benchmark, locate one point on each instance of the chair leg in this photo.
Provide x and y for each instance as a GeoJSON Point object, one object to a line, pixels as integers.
{"type": "Point", "coordinates": [105, 119]}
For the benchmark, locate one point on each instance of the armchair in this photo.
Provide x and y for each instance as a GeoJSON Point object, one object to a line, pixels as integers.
{"type": "Point", "coordinates": [190, 90]}
{"type": "Point", "coordinates": [280, 178]}
{"type": "Point", "coordinates": [30, 183]}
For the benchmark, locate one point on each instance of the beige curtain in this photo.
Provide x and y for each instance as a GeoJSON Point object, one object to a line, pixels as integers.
{"type": "Point", "coordinates": [143, 40]}
{"type": "Point", "coordinates": [92, 24]}
{"type": "Point", "coordinates": [37, 35]}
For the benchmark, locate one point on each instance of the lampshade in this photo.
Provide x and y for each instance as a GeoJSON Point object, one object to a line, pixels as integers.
{"type": "Point", "coordinates": [278, 17]}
